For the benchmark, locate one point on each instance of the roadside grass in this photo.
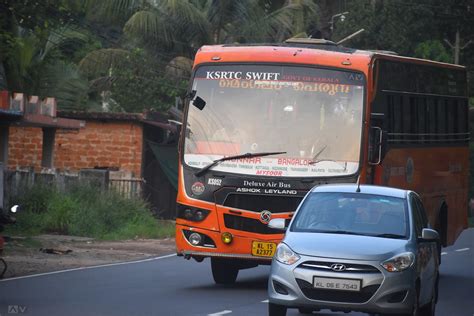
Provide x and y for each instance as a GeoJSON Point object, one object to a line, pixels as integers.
{"type": "Point", "coordinates": [27, 242]}
{"type": "Point", "coordinates": [85, 211]}
{"type": "Point", "coordinates": [471, 221]}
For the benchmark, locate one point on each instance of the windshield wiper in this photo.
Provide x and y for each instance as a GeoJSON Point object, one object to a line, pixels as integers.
{"type": "Point", "coordinates": [317, 155]}
{"type": "Point", "coordinates": [345, 232]}
{"type": "Point", "coordinates": [315, 159]}
{"type": "Point", "coordinates": [341, 232]}
{"type": "Point", "coordinates": [204, 169]}
{"type": "Point", "coordinates": [396, 236]}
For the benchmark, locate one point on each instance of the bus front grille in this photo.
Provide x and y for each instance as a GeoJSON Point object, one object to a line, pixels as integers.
{"type": "Point", "coordinates": [248, 225]}
{"type": "Point", "coordinates": [258, 203]}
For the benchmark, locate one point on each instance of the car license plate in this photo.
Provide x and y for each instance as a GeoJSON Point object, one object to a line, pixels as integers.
{"type": "Point", "coordinates": [336, 284]}
{"type": "Point", "coordinates": [263, 249]}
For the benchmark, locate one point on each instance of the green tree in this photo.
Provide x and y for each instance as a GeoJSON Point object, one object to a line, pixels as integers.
{"type": "Point", "coordinates": [38, 49]}
{"type": "Point", "coordinates": [170, 32]}
{"type": "Point", "coordinates": [140, 86]}
{"type": "Point", "coordinates": [434, 50]}
{"type": "Point", "coordinates": [34, 66]}
{"type": "Point", "coordinates": [420, 28]}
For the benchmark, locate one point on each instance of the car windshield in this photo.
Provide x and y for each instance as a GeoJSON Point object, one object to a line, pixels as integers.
{"type": "Point", "coordinates": [312, 115]}
{"type": "Point", "coordinates": [352, 213]}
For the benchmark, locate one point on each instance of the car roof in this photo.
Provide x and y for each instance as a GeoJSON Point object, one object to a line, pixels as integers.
{"type": "Point", "coordinates": [364, 189]}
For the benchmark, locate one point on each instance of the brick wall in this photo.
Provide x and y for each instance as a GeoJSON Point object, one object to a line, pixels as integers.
{"type": "Point", "coordinates": [112, 144]}
{"type": "Point", "coordinates": [25, 147]}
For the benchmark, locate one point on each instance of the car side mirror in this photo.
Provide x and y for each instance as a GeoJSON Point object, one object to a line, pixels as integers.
{"type": "Point", "coordinates": [428, 234]}
{"type": "Point", "coordinates": [277, 223]}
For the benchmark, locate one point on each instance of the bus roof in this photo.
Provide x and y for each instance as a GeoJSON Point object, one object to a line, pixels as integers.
{"type": "Point", "coordinates": [306, 51]}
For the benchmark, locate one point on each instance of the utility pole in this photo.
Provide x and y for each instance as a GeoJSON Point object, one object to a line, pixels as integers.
{"type": "Point", "coordinates": [457, 46]}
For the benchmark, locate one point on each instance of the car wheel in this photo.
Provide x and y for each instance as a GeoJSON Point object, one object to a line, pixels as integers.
{"type": "Point", "coordinates": [439, 251]}
{"type": "Point", "coordinates": [276, 310]}
{"type": "Point", "coordinates": [416, 304]}
{"type": "Point", "coordinates": [223, 271]}
{"type": "Point", "coordinates": [429, 309]}
{"type": "Point", "coordinates": [305, 311]}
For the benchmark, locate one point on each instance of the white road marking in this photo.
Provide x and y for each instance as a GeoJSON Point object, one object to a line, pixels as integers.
{"type": "Point", "coordinates": [462, 249]}
{"type": "Point", "coordinates": [220, 313]}
{"type": "Point", "coordinates": [444, 253]}
{"type": "Point", "coordinates": [265, 301]}
{"type": "Point", "coordinates": [87, 268]}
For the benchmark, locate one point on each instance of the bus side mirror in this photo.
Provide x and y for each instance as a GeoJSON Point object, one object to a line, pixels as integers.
{"type": "Point", "coordinates": [375, 145]}
{"type": "Point", "coordinates": [199, 103]}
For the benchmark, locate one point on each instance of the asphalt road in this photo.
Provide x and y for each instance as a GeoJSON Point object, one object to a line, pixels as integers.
{"type": "Point", "coordinates": [174, 286]}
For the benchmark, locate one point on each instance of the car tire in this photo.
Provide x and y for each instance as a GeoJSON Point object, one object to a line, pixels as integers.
{"type": "Point", "coordinates": [223, 271]}
{"type": "Point", "coordinates": [439, 249]}
{"type": "Point", "coordinates": [416, 304]}
{"type": "Point", "coordinates": [305, 311]}
{"type": "Point", "coordinates": [430, 308]}
{"type": "Point", "coordinates": [276, 310]}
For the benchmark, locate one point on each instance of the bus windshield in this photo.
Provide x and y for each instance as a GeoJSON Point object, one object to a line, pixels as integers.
{"type": "Point", "coordinates": [312, 115]}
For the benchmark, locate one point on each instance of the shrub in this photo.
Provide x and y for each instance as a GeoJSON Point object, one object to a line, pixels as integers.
{"type": "Point", "coordinates": [87, 211]}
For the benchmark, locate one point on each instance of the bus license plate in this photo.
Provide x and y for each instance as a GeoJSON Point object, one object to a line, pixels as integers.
{"type": "Point", "coordinates": [263, 249]}
{"type": "Point", "coordinates": [336, 284]}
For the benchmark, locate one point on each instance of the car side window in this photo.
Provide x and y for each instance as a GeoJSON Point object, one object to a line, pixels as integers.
{"type": "Point", "coordinates": [418, 220]}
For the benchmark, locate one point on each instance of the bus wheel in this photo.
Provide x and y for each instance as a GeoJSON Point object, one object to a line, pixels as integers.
{"type": "Point", "coordinates": [442, 228]}
{"type": "Point", "coordinates": [443, 225]}
{"type": "Point", "coordinates": [224, 271]}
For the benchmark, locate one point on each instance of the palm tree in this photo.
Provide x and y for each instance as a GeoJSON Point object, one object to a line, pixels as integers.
{"type": "Point", "coordinates": [181, 26]}
{"type": "Point", "coordinates": [32, 66]}
{"type": "Point", "coordinates": [170, 28]}
{"type": "Point", "coordinates": [170, 31]}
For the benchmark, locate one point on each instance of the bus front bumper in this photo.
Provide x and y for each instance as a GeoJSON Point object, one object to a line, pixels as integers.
{"type": "Point", "coordinates": [240, 247]}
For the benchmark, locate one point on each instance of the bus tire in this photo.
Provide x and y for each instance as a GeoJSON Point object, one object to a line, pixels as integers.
{"type": "Point", "coordinates": [442, 229]}
{"type": "Point", "coordinates": [442, 225]}
{"type": "Point", "coordinates": [438, 248]}
{"type": "Point", "coordinates": [224, 271]}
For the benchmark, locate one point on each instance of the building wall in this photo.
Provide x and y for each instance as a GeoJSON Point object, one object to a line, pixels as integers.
{"type": "Point", "coordinates": [25, 147]}
{"type": "Point", "coordinates": [108, 144]}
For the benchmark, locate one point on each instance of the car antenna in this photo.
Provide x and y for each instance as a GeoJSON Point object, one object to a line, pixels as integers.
{"type": "Point", "coordinates": [358, 184]}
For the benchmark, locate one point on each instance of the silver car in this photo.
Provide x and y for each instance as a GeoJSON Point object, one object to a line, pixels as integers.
{"type": "Point", "coordinates": [356, 248]}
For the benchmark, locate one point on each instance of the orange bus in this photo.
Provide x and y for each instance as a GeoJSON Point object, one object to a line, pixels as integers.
{"type": "Point", "coordinates": [263, 124]}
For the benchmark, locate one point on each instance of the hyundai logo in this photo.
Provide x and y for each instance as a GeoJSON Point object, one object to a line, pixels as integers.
{"type": "Point", "coordinates": [265, 217]}
{"type": "Point", "coordinates": [338, 267]}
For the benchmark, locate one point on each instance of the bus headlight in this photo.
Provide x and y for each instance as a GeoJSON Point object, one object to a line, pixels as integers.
{"type": "Point", "coordinates": [191, 213]}
{"type": "Point", "coordinates": [195, 239]}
